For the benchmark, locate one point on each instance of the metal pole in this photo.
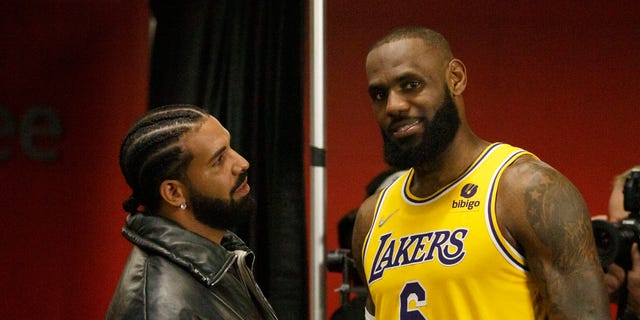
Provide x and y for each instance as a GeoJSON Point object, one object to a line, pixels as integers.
{"type": "Point", "coordinates": [318, 168]}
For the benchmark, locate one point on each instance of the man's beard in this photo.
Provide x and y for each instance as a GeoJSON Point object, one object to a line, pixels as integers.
{"type": "Point", "coordinates": [437, 136]}
{"type": "Point", "coordinates": [221, 214]}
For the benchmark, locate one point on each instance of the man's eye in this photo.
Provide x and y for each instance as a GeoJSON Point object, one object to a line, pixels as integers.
{"type": "Point", "coordinates": [412, 85]}
{"type": "Point", "coordinates": [378, 95]}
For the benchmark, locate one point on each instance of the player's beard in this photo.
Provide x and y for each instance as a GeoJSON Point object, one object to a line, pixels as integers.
{"type": "Point", "coordinates": [437, 136]}
{"type": "Point", "coordinates": [219, 213]}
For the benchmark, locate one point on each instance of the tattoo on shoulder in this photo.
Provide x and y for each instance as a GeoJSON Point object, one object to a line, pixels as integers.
{"type": "Point", "coordinates": [556, 213]}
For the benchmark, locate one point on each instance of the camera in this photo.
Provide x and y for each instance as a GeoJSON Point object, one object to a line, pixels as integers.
{"type": "Point", "coordinates": [614, 240]}
{"type": "Point", "coordinates": [340, 260]}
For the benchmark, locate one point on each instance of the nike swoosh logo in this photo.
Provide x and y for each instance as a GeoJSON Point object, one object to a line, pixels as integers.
{"type": "Point", "coordinates": [383, 220]}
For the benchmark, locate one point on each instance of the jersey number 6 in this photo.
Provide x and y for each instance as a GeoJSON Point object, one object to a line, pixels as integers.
{"type": "Point", "coordinates": [412, 291]}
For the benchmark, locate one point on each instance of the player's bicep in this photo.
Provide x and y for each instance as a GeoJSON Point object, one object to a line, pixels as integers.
{"type": "Point", "coordinates": [554, 230]}
{"type": "Point", "coordinates": [559, 228]}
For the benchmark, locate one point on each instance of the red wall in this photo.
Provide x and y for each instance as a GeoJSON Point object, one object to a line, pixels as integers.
{"type": "Point", "coordinates": [559, 78]}
{"type": "Point", "coordinates": [80, 66]}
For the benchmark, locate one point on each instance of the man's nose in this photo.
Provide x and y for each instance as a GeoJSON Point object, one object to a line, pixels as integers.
{"type": "Point", "coordinates": [240, 163]}
{"type": "Point", "coordinates": [396, 103]}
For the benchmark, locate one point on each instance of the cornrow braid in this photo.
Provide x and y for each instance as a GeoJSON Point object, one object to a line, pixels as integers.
{"type": "Point", "coordinates": [151, 153]}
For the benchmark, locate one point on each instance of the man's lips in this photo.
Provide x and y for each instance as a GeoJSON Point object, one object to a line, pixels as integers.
{"type": "Point", "coordinates": [243, 188]}
{"type": "Point", "coordinates": [406, 127]}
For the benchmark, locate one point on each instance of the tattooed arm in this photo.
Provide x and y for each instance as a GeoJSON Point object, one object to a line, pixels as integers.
{"type": "Point", "coordinates": [543, 215]}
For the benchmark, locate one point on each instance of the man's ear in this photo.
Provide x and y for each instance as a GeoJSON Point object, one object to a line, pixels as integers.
{"type": "Point", "coordinates": [456, 77]}
{"type": "Point", "coordinates": [173, 192]}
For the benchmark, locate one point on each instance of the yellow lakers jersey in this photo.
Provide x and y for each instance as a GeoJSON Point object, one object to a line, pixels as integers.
{"type": "Point", "coordinates": [444, 257]}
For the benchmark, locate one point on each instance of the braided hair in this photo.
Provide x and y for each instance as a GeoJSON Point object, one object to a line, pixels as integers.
{"type": "Point", "coordinates": [151, 153]}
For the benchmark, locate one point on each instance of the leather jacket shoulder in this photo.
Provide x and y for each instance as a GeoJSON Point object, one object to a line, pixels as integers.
{"type": "Point", "coordinates": [172, 273]}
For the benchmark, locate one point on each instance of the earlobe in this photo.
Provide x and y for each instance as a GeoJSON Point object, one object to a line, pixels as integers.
{"type": "Point", "coordinates": [172, 191]}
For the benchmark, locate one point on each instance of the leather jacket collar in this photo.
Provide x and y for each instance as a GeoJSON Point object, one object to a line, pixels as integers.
{"type": "Point", "coordinates": [207, 260]}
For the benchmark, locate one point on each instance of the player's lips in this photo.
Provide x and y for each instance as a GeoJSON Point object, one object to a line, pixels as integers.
{"type": "Point", "coordinates": [404, 128]}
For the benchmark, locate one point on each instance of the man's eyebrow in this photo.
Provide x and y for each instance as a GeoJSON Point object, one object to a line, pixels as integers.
{"type": "Point", "coordinates": [408, 76]}
{"type": "Point", "coordinates": [399, 78]}
{"type": "Point", "coordinates": [374, 87]}
{"type": "Point", "coordinates": [217, 154]}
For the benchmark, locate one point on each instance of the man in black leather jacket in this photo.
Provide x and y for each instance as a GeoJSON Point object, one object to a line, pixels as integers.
{"type": "Point", "coordinates": [188, 187]}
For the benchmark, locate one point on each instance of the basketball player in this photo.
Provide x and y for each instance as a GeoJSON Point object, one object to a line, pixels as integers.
{"type": "Point", "coordinates": [474, 230]}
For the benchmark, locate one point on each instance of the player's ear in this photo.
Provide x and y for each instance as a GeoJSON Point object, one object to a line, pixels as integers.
{"type": "Point", "coordinates": [456, 77]}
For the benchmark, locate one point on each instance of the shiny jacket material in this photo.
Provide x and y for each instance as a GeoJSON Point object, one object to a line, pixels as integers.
{"type": "Point", "coordinates": [172, 273]}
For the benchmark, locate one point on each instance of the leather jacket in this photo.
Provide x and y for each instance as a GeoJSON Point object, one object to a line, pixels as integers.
{"type": "Point", "coordinates": [173, 273]}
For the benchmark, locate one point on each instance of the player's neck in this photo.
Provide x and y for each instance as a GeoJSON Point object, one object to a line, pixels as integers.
{"type": "Point", "coordinates": [453, 162]}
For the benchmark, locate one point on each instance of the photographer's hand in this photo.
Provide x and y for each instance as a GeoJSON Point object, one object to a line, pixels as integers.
{"type": "Point", "coordinates": [614, 278]}
{"type": "Point", "coordinates": [633, 282]}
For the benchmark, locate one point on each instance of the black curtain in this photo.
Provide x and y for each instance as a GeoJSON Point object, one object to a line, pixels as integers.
{"type": "Point", "coordinates": [242, 60]}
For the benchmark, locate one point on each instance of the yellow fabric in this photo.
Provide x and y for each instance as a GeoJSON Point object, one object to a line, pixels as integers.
{"type": "Point", "coordinates": [443, 257]}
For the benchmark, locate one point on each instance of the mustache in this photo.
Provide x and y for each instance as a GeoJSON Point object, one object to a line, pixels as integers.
{"type": "Point", "coordinates": [243, 176]}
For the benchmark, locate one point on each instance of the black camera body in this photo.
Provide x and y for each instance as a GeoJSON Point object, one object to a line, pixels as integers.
{"type": "Point", "coordinates": [614, 240]}
{"type": "Point", "coordinates": [339, 260]}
